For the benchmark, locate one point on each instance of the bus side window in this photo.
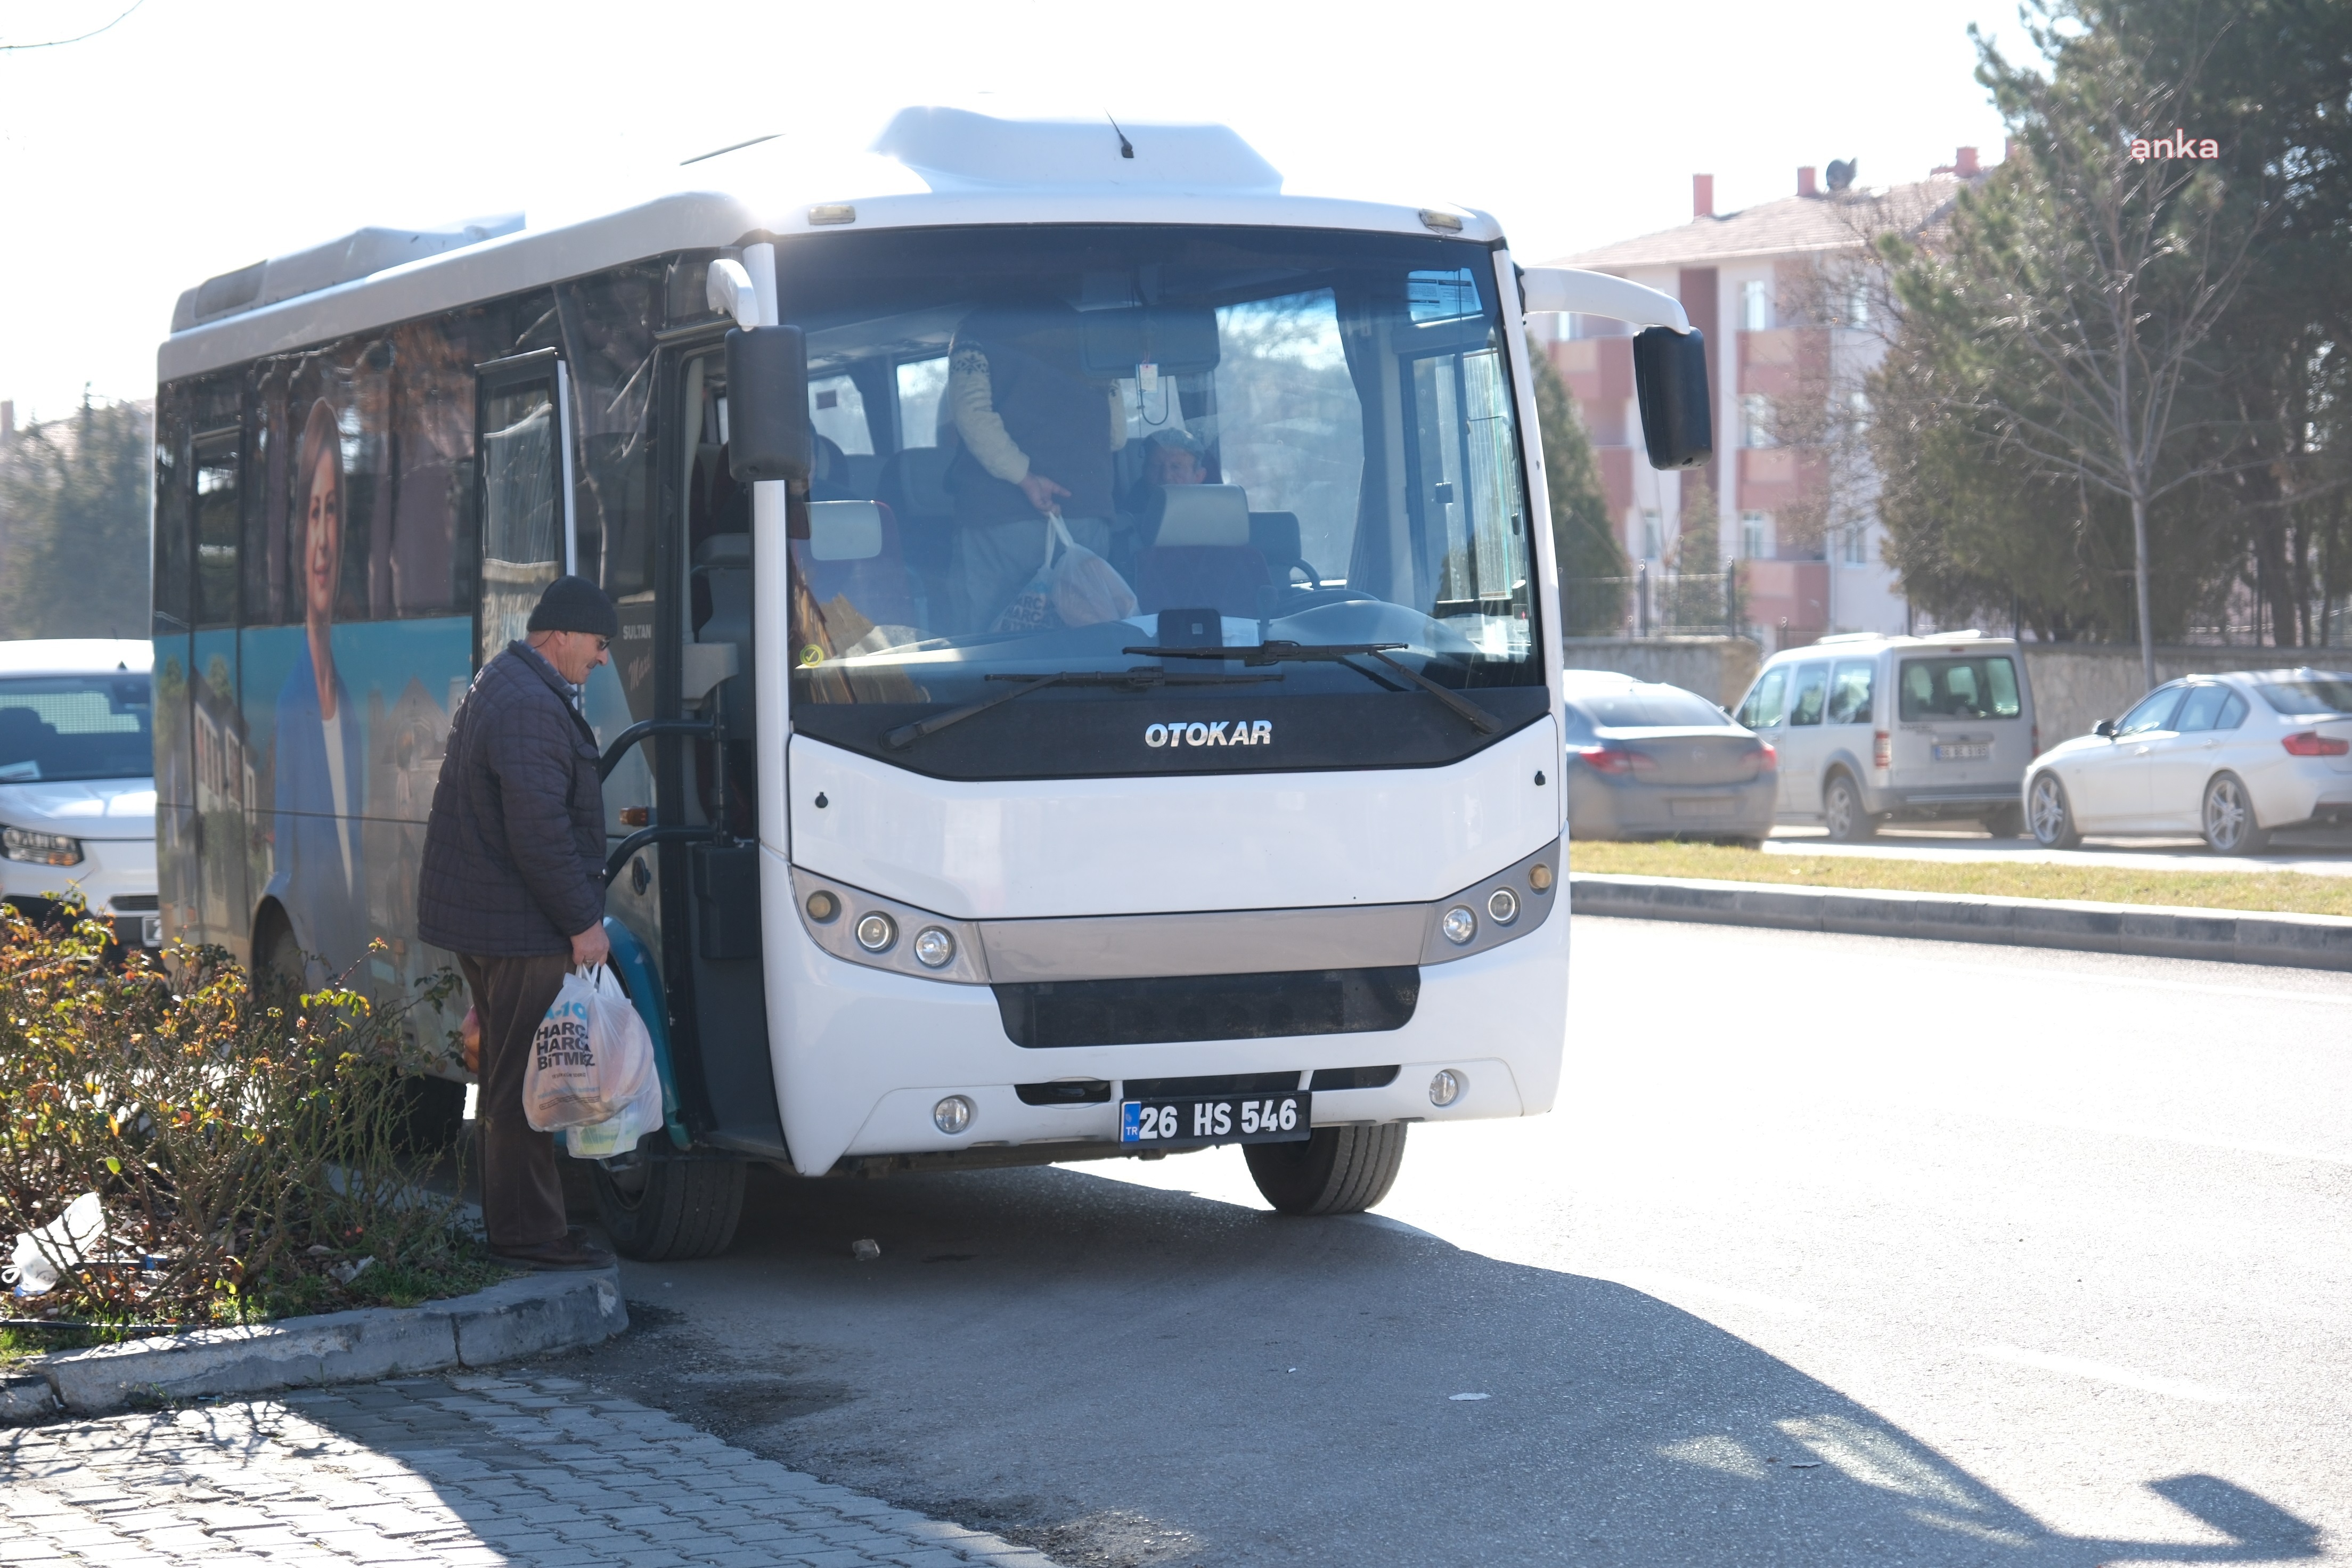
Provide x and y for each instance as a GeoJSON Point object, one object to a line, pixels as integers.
{"type": "Point", "coordinates": [526, 502]}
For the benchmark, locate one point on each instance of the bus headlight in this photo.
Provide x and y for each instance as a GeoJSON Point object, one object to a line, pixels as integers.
{"type": "Point", "coordinates": [876, 932]}
{"type": "Point", "coordinates": [1504, 906]}
{"type": "Point", "coordinates": [934, 949]}
{"type": "Point", "coordinates": [1446, 1088]}
{"type": "Point", "coordinates": [1459, 925]}
{"type": "Point", "coordinates": [40, 848]}
{"type": "Point", "coordinates": [952, 1115]}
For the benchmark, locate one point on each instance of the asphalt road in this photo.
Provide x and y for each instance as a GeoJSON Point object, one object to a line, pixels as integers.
{"type": "Point", "coordinates": [1840, 1250]}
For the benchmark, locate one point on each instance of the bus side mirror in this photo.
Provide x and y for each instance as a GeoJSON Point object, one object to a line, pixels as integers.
{"type": "Point", "coordinates": [767, 435]}
{"type": "Point", "coordinates": [1670, 380]}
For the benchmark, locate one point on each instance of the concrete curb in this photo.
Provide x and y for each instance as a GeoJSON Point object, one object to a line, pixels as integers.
{"type": "Point", "coordinates": [513, 1318]}
{"type": "Point", "coordinates": [2302, 941]}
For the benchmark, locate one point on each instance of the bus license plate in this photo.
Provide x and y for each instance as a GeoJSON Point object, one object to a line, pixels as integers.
{"type": "Point", "coordinates": [1217, 1119]}
{"type": "Point", "coordinates": [1965, 752]}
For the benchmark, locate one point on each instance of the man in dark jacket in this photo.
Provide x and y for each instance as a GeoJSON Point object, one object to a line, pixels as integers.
{"type": "Point", "coordinates": [511, 883]}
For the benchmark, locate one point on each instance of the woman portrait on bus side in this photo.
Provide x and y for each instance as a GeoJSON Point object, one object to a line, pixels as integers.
{"type": "Point", "coordinates": [321, 753]}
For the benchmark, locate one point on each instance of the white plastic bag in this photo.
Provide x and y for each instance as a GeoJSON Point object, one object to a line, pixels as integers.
{"type": "Point", "coordinates": [1073, 587]}
{"type": "Point", "coordinates": [618, 1134]}
{"type": "Point", "coordinates": [589, 1057]}
{"type": "Point", "coordinates": [42, 1255]}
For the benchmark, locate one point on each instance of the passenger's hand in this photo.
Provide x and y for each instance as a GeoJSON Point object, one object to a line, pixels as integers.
{"type": "Point", "coordinates": [591, 947]}
{"type": "Point", "coordinates": [1043, 492]}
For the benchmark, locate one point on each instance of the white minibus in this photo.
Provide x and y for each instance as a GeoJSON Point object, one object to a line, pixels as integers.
{"type": "Point", "coordinates": [1087, 682]}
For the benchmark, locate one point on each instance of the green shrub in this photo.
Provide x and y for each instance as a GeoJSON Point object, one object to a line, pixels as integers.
{"type": "Point", "coordinates": [245, 1140]}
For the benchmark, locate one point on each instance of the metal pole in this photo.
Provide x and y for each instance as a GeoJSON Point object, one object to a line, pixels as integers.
{"type": "Point", "coordinates": [1642, 598]}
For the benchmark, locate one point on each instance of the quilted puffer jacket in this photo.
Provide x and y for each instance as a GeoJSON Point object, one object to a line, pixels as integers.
{"type": "Point", "coordinates": [516, 841]}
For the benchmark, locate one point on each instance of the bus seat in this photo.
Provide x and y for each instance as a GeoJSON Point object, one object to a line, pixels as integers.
{"type": "Point", "coordinates": [829, 475]}
{"type": "Point", "coordinates": [722, 564]}
{"type": "Point", "coordinates": [1201, 552]}
{"type": "Point", "coordinates": [1274, 535]}
{"type": "Point", "coordinates": [862, 472]}
{"type": "Point", "coordinates": [875, 582]}
{"type": "Point", "coordinates": [913, 485]}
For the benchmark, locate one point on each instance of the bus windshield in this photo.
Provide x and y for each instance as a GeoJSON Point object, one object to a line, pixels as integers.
{"type": "Point", "coordinates": [76, 726]}
{"type": "Point", "coordinates": [1040, 447]}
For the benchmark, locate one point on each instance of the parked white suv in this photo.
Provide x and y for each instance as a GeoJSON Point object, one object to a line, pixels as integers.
{"type": "Point", "coordinates": [1872, 729]}
{"type": "Point", "coordinates": [78, 781]}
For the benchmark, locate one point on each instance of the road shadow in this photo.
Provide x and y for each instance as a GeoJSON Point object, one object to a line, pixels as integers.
{"type": "Point", "coordinates": [1124, 1375]}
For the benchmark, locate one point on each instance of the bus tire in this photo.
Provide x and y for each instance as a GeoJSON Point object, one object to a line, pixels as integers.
{"type": "Point", "coordinates": [1340, 1170]}
{"type": "Point", "coordinates": [661, 1210]}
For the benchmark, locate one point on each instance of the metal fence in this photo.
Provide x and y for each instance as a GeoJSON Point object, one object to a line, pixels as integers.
{"type": "Point", "coordinates": [1653, 604]}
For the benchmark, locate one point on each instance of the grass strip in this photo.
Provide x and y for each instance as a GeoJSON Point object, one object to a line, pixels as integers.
{"type": "Point", "coordinates": [2270, 892]}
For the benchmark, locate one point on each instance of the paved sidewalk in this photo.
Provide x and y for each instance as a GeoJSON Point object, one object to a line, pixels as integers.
{"type": "Point", "coordinates": [461, 1470]}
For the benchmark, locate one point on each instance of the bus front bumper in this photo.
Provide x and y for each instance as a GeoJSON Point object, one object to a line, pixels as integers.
{"type": "Point", "coordinates": [863, 1057]}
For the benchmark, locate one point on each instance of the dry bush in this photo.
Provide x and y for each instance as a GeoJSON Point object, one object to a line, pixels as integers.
{"type": "Point", "coordinates": [245, 1140]}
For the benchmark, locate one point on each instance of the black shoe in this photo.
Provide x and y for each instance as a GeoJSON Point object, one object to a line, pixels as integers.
{"type": "Point", "coordinates": [572, 1253]}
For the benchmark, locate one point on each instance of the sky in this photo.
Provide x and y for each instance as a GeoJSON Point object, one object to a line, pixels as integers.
{"type": "Point", "coordinates": [195, 136]}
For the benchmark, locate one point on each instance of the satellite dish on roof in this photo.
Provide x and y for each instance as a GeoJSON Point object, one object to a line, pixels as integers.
{"type": "Point", "coordinates": [1842, 172]}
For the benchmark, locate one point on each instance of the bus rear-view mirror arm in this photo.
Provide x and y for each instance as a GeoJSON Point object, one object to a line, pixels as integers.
{"type": "Point", "coordinates": [1669, 356]}
{"type": "Point", "coordinates": [769, 435]}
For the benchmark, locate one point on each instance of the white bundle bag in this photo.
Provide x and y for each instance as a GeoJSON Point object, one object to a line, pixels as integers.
{"type": "Point", "coordinates": [43, 1254]}
{"type": "Point", "coordinates": [590, 1056]}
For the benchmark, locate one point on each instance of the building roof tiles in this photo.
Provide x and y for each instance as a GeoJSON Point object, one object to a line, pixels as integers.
{"type": "Point", "coordinates": [1791, 226]}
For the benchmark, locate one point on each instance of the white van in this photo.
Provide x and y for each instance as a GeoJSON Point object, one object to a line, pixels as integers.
{"type": "Point", "coordinates": [1874, 729]}
{"type": "Point", "coordinates": [78, 780]}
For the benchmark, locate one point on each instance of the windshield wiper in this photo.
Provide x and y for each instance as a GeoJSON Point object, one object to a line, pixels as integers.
{"type": "Point", "coordinates": [1278, 651]}
{"type": "Point", "coordinates": [1141, 677]}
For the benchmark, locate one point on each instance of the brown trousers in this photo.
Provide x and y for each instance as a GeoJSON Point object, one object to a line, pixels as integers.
{"type": "Point", "coordinates": [522, 1195]}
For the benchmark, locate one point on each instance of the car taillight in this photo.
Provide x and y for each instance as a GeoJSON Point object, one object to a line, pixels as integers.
{"type": "Point", "coordinates": [1881, 749]}
{"type": "Point", "coordinates": [2312, 743]}
{"type": "Point", "coordinates": [1768, 757]}
{"type": "Point", "coordinates": [1614, 760]}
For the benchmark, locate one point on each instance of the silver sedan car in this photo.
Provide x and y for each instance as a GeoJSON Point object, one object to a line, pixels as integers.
{"type": "Point", "coordinates": [1646, 760]}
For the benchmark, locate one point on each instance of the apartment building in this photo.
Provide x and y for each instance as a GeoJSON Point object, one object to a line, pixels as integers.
{"type": "Point", "coordinates": [1792, 304]}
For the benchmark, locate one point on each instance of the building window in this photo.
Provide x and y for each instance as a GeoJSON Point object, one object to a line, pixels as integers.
{"type": "Point", "coordinates": [1751, 535]}
{"type": "Point", "coordinates": [1756, 305]}
{"type": "Point", "coordinates": [1852, 551]}
{"type": "Point", "coordinates": [1649, 534]}
{"type": "Point", "coordinates": [1857, 406]}
{"type": "Point", "coordinates": [1756, 419]}
{"type": "Point", "coordinates": [1857, 300]}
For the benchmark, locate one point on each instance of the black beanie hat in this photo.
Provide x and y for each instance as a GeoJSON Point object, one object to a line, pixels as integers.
{"type": "Point", "coordinates": [575, 605]}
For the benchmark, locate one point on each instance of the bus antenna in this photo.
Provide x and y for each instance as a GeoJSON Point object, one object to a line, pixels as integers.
{"type": "Point", "coordinates": [1126, 148]}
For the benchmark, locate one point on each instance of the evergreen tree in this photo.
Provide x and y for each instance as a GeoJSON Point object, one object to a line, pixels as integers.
{"type": "Point", "coordinates": [74, 494]}
{"type": "Point", "coordinates": [1592, 563]}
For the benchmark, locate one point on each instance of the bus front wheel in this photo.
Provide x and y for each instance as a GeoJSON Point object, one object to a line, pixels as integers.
{"type": "Point", "coordinates": [1340, 1170]}
{"type": "Point", "coordinates": [658, 1210]}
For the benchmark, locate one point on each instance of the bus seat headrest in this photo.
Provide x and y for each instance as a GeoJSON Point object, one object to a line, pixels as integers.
{"type": "Point", "coordinates": [1202, 515]}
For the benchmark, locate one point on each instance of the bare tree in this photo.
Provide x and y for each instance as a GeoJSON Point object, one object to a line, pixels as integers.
{"type": "Point", "coordinates": [2103, 274]}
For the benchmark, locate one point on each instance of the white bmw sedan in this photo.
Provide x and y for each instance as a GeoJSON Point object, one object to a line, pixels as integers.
{"type": "Point", "coordinates": [78, 781]}
{"type": "Point", "coordinates": [2233, 757]}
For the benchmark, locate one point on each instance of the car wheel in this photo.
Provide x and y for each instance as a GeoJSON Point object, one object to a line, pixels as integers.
{"type": "Point", "coordinates": [2229, 819]}
{"type": "Point", "coordinates": [2049, 815]}
{"type": "Point", "coordinates": [1340, 1170]}
{"type": "Point", "coordinates": [2008, 822]}
{"type": "Point", "coordinates": [1842, 813]}
{"type": "Point", "coordinates": [658, 1210]}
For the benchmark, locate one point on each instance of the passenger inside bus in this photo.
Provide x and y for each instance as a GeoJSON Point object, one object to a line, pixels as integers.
{"type": "Point", "coordinates": [1037, 440]}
